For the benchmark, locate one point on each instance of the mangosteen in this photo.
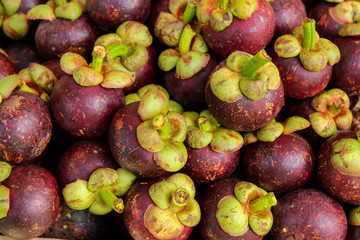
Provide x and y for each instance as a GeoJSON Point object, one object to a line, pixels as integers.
{"type": "Point", "coordinates": [305, 61]}
{"type": "Point", "coordinates": [64, 28]}
{"type": "Point", "coordinates": [7, 66]}
{"type": "Point", "coordinates": [235, 209]}
{"type": "Point", "coordinates": [288, 15]}
{"type": "Point", "coordinates": [280, 160]}
{"type": "Point", "coordinates": [236, 25]}
{"type": "Point", "coordinates": [81, 159]}
{"type": "Point", "coordinates": [162, 208]}
{"type": "Point", "coordinates": [109, 14]}
{"type": "Point", "coordinates": [30, 202]}
{"type": "Point", "coordinates": [145, 137]}
{"type": "Point", "coordinates": [337, 167]}
{"type": "Point", "coordinates": [157, 7]}
{"type": "Point", "coordinates": [213, 151]}
{"type": "Point", "coordinates": [245, 92]}
{"type": "Point", "coordinates": [308, 213]}
{"type": "Point", "coordinates": [186, 69]}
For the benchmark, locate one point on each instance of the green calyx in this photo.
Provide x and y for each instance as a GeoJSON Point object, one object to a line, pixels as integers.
{"type": "Point", "coordinates": [8, 84]}
{"type": "Point", "coordinates": [168, 29]}
{"type": "Point", "coordinates": [344, 159]}
{"type": "Point", "coordinates": [176, 195]}
{"type": "Point", "coordinates": [248, 207]}
{"type": "Point", "coordinates": [346, 12]}
{"type": "Point", "coordinates": [323, 124]}
{"type": "Point", "coordinates": [41, 12]}
{"type": "Point", "coordinates": [334, 103]}
{"type": "Point", "coordinates": [314, 52]}
{"type": "Point", "coordinates": [69, 11]}
{"type": "Point", "coordinates": [353, 216]}
{"type": "Point", "coordinates": [245, 74]}
{"type": "Point", "coordinates": [101, 193]}
{"type": "Point", "coordinates": [15, 26]}
{"type": "Point", "coordinates": [11, 6]}
{"type": "Point", "coordinates": [5, 170]}
{"type": "Point", "coordinates": [4, 201]}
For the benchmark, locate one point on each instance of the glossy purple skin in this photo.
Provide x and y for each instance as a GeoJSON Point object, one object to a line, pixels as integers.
{"type": "Point", "coordinates": [206, 166]}
{"type": "Point", "coordinates": [209, 199]}
{"type": "Point", "coordinates": [300, 83]}
{"type": "Point", "coordinates": [84, 112]}
{"type": "Point", "coordinates": [22, 53]}
{"type": "Point", "coordinates": [346, 73]}
{"type": "Point", "coordinates": [342, 187]}
{"type": "Point", "coordinates": [81, 159]}
{"type": "Point", "coordinates": [308, 214]}
{"type": "Point", "coordinates": [125, 147]}
{"type": "Point", "coordinates": [54, 38]}
{"type": "Point", "coordinates": [7, 67]}
{"type": "Point", "coordinates": [34, 202]}
{"type": "Point", "coordinates": [245, 114]}
{"type": "Point", "coordinates": [190, 92]}
{"type": "Point", "coordinates": [80, 225]}
{"type": "Point", "coordinates": [288, 15]}
{"type": "Point", "coordinates": [157, 7]}
{"type": "Point", "coordinates": [326, 26]}
{"type": "Point", "coordinates": [137, 202]}
{"type": "Point", "coordinates": [249, 36]}
{"type": "Point", "coordinates": [109, 14]}
{"type": "Point", "coordinates": [146, 74]}
{"type": "Point", "coordinates": [279, 166]}
{"type": "Point", "coordinates": [25, 127]}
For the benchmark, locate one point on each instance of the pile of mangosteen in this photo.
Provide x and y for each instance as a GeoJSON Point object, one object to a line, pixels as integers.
{"type": "Point", "coordinates": [180, 119]}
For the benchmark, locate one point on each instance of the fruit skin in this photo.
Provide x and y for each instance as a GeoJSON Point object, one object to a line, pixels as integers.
{"type": "Point", "coordinates": [308, 214]}
{"type": "Point", "coordinates": [300, 83]}
{"type": "Point", "coordinates": [83, 158]}
{"type": "Point", "coordinates": [353, 232]}
{"type": "Point", "coordinates": [245, 114]}
{"type": "Point", "coordinates": [25, 127]}
{"type": "Point", "coordinates": [208, 226]}
{"type": "Point", "coordinates": [279, 166]}
{"type": "Point", "coordinates": [341, 187]}
{"type": "Point", "coordinates": [346, 73]}
{"type": "Point", "coordinates": [84, 112]}
{"type": "Point", "coordinates": [7, 66]}
{"type": "Point", "coordinates": [109, 14]}
{"type": "Point", "coordinates": [136, 203]}
{"type": "Point", "coordinates": [125, 146]}
{"type": "Point", "coordinates": [54, 38]}
{"type": "Point", "coordinates": [249, 35]}
{"type": "Point", "coordinates": [34, 202]}
{"type": "Point", "coordinates": [205, 165]}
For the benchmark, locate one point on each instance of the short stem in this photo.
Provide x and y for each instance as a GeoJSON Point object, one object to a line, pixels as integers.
{"type": "Point", "coordinates": [98, 56]}
{"type": "Point", "coordinates": [117, 50]}
{"type": "Point", "coordinates": [204, 124]}
{"type": "Point", "coordinates": [255, 63]}
{"type": "Point", "coordinates": [309, 34]}
{"type": "Point", "coordinates": [190, 11]}
{"type": "Point", "coordinates": [111, 200]}
{"type": "Point", "coordinates": [261, 203]}
{"type": "Point", "coordinates": [185, 39]}
{"type": "Point", "coordinates": [60, 2]}
{"type": "Point", "coordinates": [224, 4]}
{"type": "Point", "coordinates": [163, 125]}
{"type": "Point", "coordinates": [179, 199]}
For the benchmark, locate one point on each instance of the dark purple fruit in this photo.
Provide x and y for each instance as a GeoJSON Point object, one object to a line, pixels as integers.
{"type": "Point", "coordinates": [308, 214]}
{"type": "Point", "coordinates": [279, 166]}
{"type": "Point", "coordinates": [25, 127]}
{"type": "Point", "coordinates": [34, 202]}
{"type": "Point", "coordinates": [7, 66]}
{"type": "Point", "coordinates": [84, 112]}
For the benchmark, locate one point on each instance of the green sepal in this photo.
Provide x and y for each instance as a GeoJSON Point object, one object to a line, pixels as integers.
{"type": "Point", "coordinates": [69, 11]}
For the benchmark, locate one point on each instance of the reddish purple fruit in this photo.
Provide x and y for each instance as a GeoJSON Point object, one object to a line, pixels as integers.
{"type": "Point", "coordinates": [34, 202]}
{"type": "Point", "coordinates": [279, 166]}
{"type": "Point", "coordinates": [308, 214]}
{"type": "Point", "coordinates": [25, 127]}
{"type": "Point", "coordinates": [7, 66]}
{"type": "Point", "coordinates": [84, 112]}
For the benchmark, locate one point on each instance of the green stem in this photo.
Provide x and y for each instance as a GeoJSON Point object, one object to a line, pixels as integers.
{"type": "Point", "coordinates": [179, 198]}
{"type": "Point", "coordinates": [98, 56]}
{"type": "Point", "coordinates": [254, 64]}
{"type": "Point", "coordinates": [190, 11]}
{"type": "Point", "coordinates": [163, 125]}
{"type": "Point", "coordinates": [185, 39]}
{"type": "Point", "coordinates": [309, 34]}
{"type": "Point", "coordinates": [224, 4]}
{"type": "Point", "coordinates": [111, 200]}
{"type": "Point", "coordinates": [261, 203]}
{"type": "Point", "coordinates": [118, 50]}
{"type": "Point", "coordinates": [204, 124]}
{"type": "Point", "coordinates": [60, 2]}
